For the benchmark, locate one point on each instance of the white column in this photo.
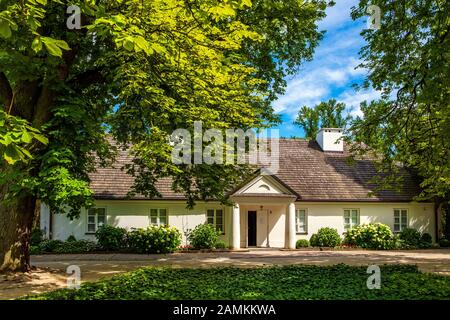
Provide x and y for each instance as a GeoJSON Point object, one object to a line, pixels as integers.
{"type": "Point", "coordinates": [290, 221]}
{"type": "Point", "coordinates": [236, 232]}
{"type": "Point", "coordinates": [44, 223]}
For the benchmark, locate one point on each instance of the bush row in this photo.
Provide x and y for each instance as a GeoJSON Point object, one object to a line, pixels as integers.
{"type": "Point", "coordinates": [58, 246]}
{"type": "Point", "coordinates": [369, 236]}
{"type": "Point", "coordinates": [163, 239]}
{"type": "Point", "coordinates": [380, 236]}
{"type": "Point", "coordinates": [154, 239]}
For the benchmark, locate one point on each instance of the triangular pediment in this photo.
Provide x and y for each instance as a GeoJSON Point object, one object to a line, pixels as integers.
{"type": "Point", "coordinates": [263, 184]}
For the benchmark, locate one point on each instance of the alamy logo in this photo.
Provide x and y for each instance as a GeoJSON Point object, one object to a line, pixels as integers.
{"type": "Point", "coordinates": [374, 21]}
{"type": "Point", "coordinates": [374, 281]}
{"type": "Point", "coordinates": [74, 20]}
{"type": "Point", "coordinates": [74, 277]}
{"type": "Point", "coordinates": [237, 147]}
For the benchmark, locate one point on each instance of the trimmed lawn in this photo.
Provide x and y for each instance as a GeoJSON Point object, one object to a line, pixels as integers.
{"type": "Point", "coordinates": [285, 283]}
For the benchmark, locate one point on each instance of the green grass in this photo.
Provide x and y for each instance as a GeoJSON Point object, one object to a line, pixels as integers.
{"type": "Point", "coordinates": [289, 282]}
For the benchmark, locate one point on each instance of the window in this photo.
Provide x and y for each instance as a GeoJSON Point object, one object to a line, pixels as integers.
{"type": "Point", "coordinates": [158, 217]}
{"type": "Point", "coordinates": [301, 221]}
{"type": "Point", "coordinates": [400, 219]}
{"type": "Point", "coordinates": [351, 218]}
{"type": "Point", "coordinates": [215, 217]}
{"type": "Point", "coordinates": [96, 217]}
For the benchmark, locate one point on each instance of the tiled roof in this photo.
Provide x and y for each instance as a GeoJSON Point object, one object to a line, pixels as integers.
{"type": "Point", "coordinates": [312, 174]}
{"type": "Point", "coordinates": [115, 183]}
{"type": "Point", "coordinates": [328, 176]}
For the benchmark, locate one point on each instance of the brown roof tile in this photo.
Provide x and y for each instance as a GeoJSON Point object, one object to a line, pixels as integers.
{"type": "Point", "coordinates": [311, 173]}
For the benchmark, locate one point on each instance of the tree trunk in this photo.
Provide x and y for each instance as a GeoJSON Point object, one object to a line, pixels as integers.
{"type": "Point", "coordinates": [33, 102]}
{"type": "Point", "coordinates": [16, 222]}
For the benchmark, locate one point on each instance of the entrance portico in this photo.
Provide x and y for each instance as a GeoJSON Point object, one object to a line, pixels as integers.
{"type": "Point", "coordinates": [263, 215]}
{"type": "Point", "coordinates": [261, 222]}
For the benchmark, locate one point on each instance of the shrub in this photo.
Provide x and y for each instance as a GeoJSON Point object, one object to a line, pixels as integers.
{"type": "Point", "coordinates": [58, 246]}
{"type": "Point", "coordinates": [220, 245]}
{"type": "Point", "coordinates": [71, 238]}
{"type": "Point", "coordinates": [162, 239]}
{"type": "Point", "coordinates": [36, 237]}
{"type": "Point", "coordinates": [111, 238]}
{"type": "Point", "coordinates": [444, 243]}
{"type": "Point", "coordinates": [371, 236]}
{"type": "Point", "coordinates": [35, 250]}
{"type": "Point", "coordinates": [426, 240]}
{"type": "Point", "coordinates": [326, 237]}
{"type": "Point", "coordinates": [204, 236]}
{"type": "Point", "coordinates": [49, 245]}
{"type": "Point", "coordinates": [411, 237]}
{"type": "Point", "coordinates": [77, 246]}
{"type": "Point", "coordinates": [302, 243]}
{"type": "Point", "coordinates": [397, 243]}
{"type": "Point", "coordinates": [314, 241]}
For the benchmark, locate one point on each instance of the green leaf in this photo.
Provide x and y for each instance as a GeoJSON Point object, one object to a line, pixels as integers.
{"type": "Point", "coordinates": [5, 30]}
{"type": "Point", "coordinates": [11, 154]}
{"type": "Point", "coordinates": [27, 137]}
{"type": "Point", "coordinates": [40, 138]}
{"type": "Point", "coordinates": [51, 47]}
{"type": "Point", "coordinates": [36, 45]}
{"type": "Point", "coordinates": [128, 44]}
{"type": "Point", "coordinates": [54, 46]}
{"type": "Point", "coordinates": [142, 44]}
{"type": "Point", "coordinates": [62, 44]}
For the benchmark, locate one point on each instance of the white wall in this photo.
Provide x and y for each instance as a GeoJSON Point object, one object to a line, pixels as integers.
{"type": "Point", "coordinates": [135, 214]}
{"type": "Point", "coordinates": [420, 215]}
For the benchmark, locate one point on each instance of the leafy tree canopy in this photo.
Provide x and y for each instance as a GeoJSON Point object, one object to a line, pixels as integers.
{"type": "Point", "coordinates": [408, 60]}
{"type": "Point", "coordinates": [162, 64]}
{"type": "Point", "coordinates": [329, 114]}
{"type": "Point", "coordinates": [136, 70]}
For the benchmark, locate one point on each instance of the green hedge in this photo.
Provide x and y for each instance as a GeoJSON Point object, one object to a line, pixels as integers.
{"type": "Point", "coordinates": [161, 239]}
{"type": "Point", "coordinates": [58, 246]}
{"type": "Point", "coordinates": [379, 236]}
{"type": "Point", "coordinates": [298, 282]}
{"type": "Point", "coordinates": [204, 236]}
{"type": "Point", "coordinates": [370, 236]}
{"type": "Point", "coordinates": [302, 243]}
{"type": "Point", "coordinates": [111, 238]}
{"type": "Point", "coordinates": [325, 237]}
{"type": "Point", "coordinates": [411, 237]}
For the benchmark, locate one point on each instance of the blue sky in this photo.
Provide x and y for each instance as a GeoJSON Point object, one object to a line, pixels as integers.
{"type": "Point", "coordinates": [331, 73]}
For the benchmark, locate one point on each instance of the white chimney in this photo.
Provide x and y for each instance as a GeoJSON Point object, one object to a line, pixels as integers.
{"type": "Point", "coordinates": [329, 139]}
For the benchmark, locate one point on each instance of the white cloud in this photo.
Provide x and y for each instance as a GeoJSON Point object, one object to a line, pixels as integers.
{"type": "Point", "coordinates": [333, 70]}
{"type": "Point", "coordinates": [316, 83]}
{"type": "Point", "coordinates": [338, 14]}
{"type": "Point", "coordinates": [353, 99]}
{"type": "Point", "coordinates": [300, 92]}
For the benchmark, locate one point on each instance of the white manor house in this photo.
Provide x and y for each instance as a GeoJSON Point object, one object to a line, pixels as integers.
{"type": "Point", "coordinates": [314, 187]}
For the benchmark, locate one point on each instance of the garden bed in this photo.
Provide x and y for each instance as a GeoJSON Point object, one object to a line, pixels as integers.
{"type": "Point", "coordinates": [297, 282]}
